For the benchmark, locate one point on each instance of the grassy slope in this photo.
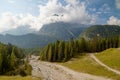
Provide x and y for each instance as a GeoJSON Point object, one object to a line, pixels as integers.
{"type": "Point", "coordinates": [110, 57]}
{"type": "Point", "coordinates": [17, 78]}
{"type": "Point", "coordinates": [87, 65]}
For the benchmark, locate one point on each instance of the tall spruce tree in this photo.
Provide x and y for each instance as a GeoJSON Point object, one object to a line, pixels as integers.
{"type": "Point", "coordinates": [13, 59]}
{"type": "Point", "coordinates": [1, 60]}
{"type": "Point", "coordinates": [119, 41]}
{"type": "Point", "coordinates": [50, 52]}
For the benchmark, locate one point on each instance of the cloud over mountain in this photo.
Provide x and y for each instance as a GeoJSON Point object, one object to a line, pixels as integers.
{"type": "Point", "coordinates": [74, 11]}
{"type": "Point", "coordinates": [53, 11]}
{"type": "Point", "coordinates": [9, 21]}
{"type": "Point", "coordinates": [113, 21]}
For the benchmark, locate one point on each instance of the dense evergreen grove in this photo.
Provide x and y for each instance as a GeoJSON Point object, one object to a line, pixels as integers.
{"type": "Point", "coordinates": [12, 62]}
{"type": "Point", "coordinates": [65, 50]}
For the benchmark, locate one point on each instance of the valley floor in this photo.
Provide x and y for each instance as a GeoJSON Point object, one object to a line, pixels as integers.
{"type": "Point", "coordinates": [53, 71]}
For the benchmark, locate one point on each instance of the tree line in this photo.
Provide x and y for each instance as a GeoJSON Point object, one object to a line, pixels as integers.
{"type": "Point", "coordinates": [12, 61]}
{"type": "Point", "coordinates": [61, 51]}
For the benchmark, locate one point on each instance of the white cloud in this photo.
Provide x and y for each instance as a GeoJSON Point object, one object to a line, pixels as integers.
{"type": "Point", "coordinates": [113, 21]}
{"type": "Point", "coordinates": [53, 11]}
{"type": "Point", "coordinates": [11, 1]}
{"type": "Point", "coordinates": [73, 12]}
{"type": "Point", "coordinates": [9, 21]}
{"type": "Point", "coordinates": [118, 4]}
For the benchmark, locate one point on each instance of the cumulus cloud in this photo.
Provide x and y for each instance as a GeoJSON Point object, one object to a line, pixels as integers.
{"type": "Point", "coordinates": [74, 12]}
{"type": "Point", "coordinates": [113, 21]}
{"type": "Point", "coordinates": [53, 11]}
{"type": "Point", "coordinates": [29, 20]}
{"type": "Point", "coordinates": [9, 21]}
{"type": "Point", "coordinates": [118, 4]}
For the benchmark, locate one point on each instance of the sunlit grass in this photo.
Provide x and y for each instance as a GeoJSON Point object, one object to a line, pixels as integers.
{"type": "Point", "coordinates": [17, 78]}
{"type": "Point", "coordinates": [86, 64]}
{"type": "Point", "coordinates": [110, 57]}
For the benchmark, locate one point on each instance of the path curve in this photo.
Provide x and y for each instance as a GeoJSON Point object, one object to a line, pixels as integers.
{"type": "Point", "coordinates": [102, 64]}
{"type": "Point", "coordinates": [52, 71]}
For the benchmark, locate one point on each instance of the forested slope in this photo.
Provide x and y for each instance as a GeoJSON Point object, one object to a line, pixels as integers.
{"type": "Point", "coordinates": [12, 61]}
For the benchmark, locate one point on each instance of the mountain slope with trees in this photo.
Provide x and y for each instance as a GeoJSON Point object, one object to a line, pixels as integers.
{"type": "Point", "coordinates": [12, 61]}
{"type": "Point", "coordinates": [27, 41]}
{"type": "Point", "coordinates": [102, 31]}
{"type": "Point", "coordinates": [65, 50]}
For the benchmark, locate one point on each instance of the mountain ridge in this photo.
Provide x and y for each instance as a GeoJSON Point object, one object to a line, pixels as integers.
{"type": "Point", "coordinates": [102, 31]}
{"type": "Point", "coordinates": [63, 31]}
{"type": "Point", "coordinates": [47, 34]}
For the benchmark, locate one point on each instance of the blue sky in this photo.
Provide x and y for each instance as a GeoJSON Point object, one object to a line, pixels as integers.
{"type": "Point", "coordinates": [94, 11]}
{"type": "Point", "coordinates": [31, 6]}
{"type": "Point", "coordinates": [19, 6]}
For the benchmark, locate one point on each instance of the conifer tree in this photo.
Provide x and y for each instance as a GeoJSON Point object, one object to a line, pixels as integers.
{"type": "Point", "coordinates": [13, 59]}
{"type": "Point", "coordinates": [83, 44]}
{"type": "Point", "coordinates": [54, 53]}
{"type": "Point", "coordinates": [60, 51]}
{"type": "Point", "coordinates": [50, 52]}
{"type": "Point", "coordinates": [119, 41]}
{"type": "Point", "coordinates": [1, 60]}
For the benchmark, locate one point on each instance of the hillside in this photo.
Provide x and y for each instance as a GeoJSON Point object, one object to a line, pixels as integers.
{"type": "Point", "coordinates": [12, 61]}
{"type": "Point", "coordinates": [27, 41]}
{"type": "Point", "coordinates": [86, 64]}
{"type": "Point", "coordinates": [101, 31]}
{"type": "Point", "coordinates": [110, 57]}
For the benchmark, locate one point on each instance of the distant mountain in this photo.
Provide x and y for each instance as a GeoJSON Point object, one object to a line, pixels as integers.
{"type": "Point", "coordinates": [62, 31]}
{"type": "Point", "coordinates": [21, 30]}
{"type": "Point", "coordinates": [101, 31]}
{"type": "Point", "coordinates": [27, 41]}
{"type": "Point", "coordinates": [47, 34]}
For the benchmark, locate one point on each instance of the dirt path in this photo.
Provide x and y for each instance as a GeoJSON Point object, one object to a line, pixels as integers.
{"type": "Point", "coordinates": [52, 71]}
{"type": "Point", "coordinates": [102, 64]}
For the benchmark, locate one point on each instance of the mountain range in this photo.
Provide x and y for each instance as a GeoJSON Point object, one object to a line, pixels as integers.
{"type": "Point", "coordinates": [63, 31]}
{"type": "Point", "coordinates": [20, 30]}
{"type": "Point", "coordinates": [47, 34]}
{"type": "Point", "coordinates": [56, 31]}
